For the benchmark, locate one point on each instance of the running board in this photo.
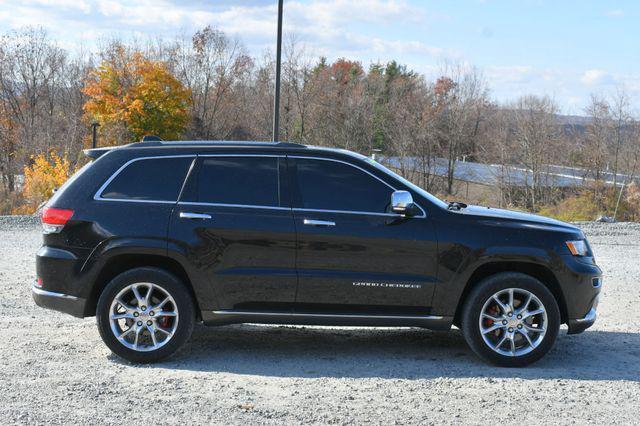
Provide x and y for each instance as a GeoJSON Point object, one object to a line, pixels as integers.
{"type": "Point", "coordinates": [234, 317]}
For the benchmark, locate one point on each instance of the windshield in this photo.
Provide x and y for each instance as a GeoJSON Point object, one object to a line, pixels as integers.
{"type": "Point", "coordinates": [435, 200]}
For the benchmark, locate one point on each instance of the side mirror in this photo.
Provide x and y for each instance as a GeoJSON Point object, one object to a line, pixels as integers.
{"type": "Point", "coordinates": [402, 202]}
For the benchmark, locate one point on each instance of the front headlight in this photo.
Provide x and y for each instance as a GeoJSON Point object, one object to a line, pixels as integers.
{"type": "Point", "coordinates": [577, 248]}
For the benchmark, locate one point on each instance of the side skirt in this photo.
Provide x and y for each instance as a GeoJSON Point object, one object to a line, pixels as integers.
{"type": "Point", "coordinates": [235, 317]}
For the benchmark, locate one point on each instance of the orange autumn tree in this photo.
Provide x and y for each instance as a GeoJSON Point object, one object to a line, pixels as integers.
{"type": "Point", "coordinates": [41, 178]}
{"type": "Point", "coordinates": [131, 96]}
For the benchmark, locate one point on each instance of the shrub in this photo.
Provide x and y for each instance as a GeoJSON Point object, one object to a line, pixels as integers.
{"type": "Point", "coordinates": [589, 204]}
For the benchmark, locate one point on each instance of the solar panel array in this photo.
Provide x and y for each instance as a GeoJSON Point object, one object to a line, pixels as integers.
{"type": "Point", "coordinates": [511, 175]}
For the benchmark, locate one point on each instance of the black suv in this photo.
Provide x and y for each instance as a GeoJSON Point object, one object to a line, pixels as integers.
{"type": "Point", "coordinates": [154, 236]}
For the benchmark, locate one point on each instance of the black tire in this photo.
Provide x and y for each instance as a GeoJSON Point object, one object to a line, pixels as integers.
{"type": "Point", "coordinates": [170, 284]}
{"type": "Point", "coordinates": [483, 291]}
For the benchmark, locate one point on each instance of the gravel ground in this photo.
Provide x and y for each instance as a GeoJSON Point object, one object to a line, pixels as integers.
{"type": "Point", "coordinates": [55, 369]}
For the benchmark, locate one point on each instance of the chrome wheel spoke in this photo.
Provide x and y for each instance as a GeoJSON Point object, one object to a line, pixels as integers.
{"type": "Point", "coordinates": [504, 307]}
{"type": "Point", "coordinates": [162, 330]}
{"type": "Point", "coordinates": [123, 315]}
{"type": "Point", "coordinates": [511, 309]}
{"type": "Point", "coordinates": [152, 331]}
{"type": "Point", "coordinates": [525, 305]}
{"type": "Point", "coordinates": [125, 333]}
{"type": "Point", "coordinates": [501, 342]}
{"type": "Point", "coordinates": [166, 314]}
{"type": "Point", "coordinates": [136, 293]}
{"type": "Point", "coordinates": [161, 304]}
{"type": "Point", "coordinates": [534, 329]}
{"type": "Point", "coordinates": [513, 344]}
{"type": "Point", "coordinates": [137, 337]}
{"type": "Point", "coordinates": [125, 305]}
{"type": "Point", "coordinates": [492, 318]}
{"type": "Point", "coordinates": [526, 336]}
{"type": "Point", "coordinates": [494, 327]}
{"type": "Point", "coordinates": [529, 314]}
{"type": "Point", "coordinates": [147, 297]}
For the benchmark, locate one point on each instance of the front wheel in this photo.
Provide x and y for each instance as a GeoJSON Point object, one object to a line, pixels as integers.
{"type": "Point", "coordinates": [510, 319]}
{"type": "Point", "coordinates": [145, 314]}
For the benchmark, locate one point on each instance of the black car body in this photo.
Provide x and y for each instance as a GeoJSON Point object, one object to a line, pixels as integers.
{"type": "Point", "coordinates": [286, 233]}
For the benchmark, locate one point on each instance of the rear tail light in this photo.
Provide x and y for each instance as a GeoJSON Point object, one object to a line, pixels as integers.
{"type": "Point", "coordinates": [53, 220]}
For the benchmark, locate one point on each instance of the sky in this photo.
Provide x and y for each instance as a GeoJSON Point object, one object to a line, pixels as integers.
{"type": "Point", "coordinates": [567, 49]}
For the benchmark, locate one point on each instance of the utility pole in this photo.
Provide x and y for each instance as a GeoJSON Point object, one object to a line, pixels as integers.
{"type": "Point", "coordinates": [94, 130]}
{"type": "Point", "coordinates": [276, 103]}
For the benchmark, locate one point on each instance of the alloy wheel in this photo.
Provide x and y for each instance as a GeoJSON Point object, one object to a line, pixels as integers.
{"type": "Point", "coordinates": [143, 317]}
{"type": "Point", "coordinates": [513, 322]}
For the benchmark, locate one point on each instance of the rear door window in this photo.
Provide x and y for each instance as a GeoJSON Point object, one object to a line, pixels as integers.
{"type": "Point", "coordinates": [153, 179]}
{"type": "Point", "coordinates": [244, 181]}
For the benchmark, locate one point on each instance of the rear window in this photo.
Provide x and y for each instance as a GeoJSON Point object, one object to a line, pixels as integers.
{"type": "Point", "coordinates": [154, 179]}
{"type": "Point", "coordinates": [249, 181]}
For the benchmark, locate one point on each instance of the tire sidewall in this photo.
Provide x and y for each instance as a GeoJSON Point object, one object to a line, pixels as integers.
{"type": "Point", "coordinates": [169, 283]}
{"type": "Point", "coordinates": [488, 287]}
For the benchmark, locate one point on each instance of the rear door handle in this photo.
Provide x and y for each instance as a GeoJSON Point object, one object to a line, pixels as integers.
{"type": "Point", "coordinates": [187, 215]}
{"type": "Point", "coordinates": [313, 222]}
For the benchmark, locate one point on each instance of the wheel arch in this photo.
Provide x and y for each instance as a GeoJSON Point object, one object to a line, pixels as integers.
{"type": "Point", "coordinates": [537, 271]}
{"type": "Point", "coordinates": [120, 263]}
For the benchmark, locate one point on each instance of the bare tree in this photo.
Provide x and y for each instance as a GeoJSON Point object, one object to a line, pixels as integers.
{"type": "Point", "coordinates": [462, 97]}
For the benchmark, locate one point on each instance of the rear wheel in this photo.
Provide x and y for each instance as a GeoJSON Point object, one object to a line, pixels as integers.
{"type": "Point", "coordinates": [145, 315]}
{"type": "Point", "coordinates": [510, 319]}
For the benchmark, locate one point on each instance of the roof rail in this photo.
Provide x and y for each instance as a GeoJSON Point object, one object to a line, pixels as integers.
{"type": "Point", "coordinates": [215, 143]}
{"type": "Point", "coordinates": [95, 153]}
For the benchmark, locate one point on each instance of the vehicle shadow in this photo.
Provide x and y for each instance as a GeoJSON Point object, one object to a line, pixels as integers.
{"type": "Point", "coordinates": [313, 352]}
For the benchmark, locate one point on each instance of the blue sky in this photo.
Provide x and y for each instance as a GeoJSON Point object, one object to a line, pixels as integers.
{"type": "Point", "coordinates": [565, 49]}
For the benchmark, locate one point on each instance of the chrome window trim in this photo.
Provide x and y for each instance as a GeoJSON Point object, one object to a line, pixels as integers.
{"type": "Point", "coordinates": [351, 212]}
{"type": "Point", "coordinates": [243, 155]}
{"type": "Point", "coordinates": [98, 194]}
{"type": "Point", "coordinates": [248, 206]}
{"type": "Point", "coordinates": [304, 157]}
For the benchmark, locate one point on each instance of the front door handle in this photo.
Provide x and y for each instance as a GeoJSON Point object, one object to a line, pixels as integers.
{"type": "Point", "coordinates": [313, 222]}
{"type": "Point", "coordinates": [187, 215]}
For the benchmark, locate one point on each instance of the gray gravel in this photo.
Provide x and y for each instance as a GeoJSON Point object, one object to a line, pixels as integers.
{"type": "Point", "coordinates": [55, 369]}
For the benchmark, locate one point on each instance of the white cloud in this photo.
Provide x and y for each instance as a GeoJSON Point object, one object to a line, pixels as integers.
{"type": "Point", "coordinates": [66, 5]}
{"type": "Point", "coordinates": [596, 77]}
{"type": "Point", "coordinates": [512, 74]}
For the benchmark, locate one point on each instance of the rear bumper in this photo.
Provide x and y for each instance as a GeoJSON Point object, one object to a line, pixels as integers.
{"type": "Point", "coordinates": [58, 301]}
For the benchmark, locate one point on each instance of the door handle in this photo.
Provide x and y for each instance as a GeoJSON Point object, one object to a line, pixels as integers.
{"type": "Point", "coordinates": [187, 215]}
{"type": "Point", "coordinates": [313, 222]}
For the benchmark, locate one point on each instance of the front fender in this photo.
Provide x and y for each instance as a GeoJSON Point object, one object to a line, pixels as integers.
{"type": "Point", "coordinates": [456, 271]}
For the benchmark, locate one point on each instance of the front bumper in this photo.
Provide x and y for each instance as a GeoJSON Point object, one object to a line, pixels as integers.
{"type": "Point", "coordinates": [58, 301]}
{"type": "Point", "coordinates": [579, 325]}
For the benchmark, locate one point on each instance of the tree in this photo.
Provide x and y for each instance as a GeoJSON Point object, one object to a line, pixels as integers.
{"type": "Point", "coordinates": [462, 100]}
{"type": "Point", "coordinates": [41, 178]}
{"type": "Point", "coordinates": [536, 143]}
{"type": "Point", "coordinates": [131, 96]}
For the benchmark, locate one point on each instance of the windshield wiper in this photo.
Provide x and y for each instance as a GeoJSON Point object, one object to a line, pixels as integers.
{"type": "Point", "coordinates": [456, 205]}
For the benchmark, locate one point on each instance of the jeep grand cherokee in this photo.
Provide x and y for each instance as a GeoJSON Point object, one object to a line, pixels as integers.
{"type": "Point", "coordinates": [153, 236]}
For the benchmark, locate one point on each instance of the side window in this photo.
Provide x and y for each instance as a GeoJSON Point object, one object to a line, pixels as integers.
{"type": "Point", "coordinates": [251, 181]}
{"type": "Point", "coordinates": [329, 185]}
{"type": "Point", "coordinates": [156, 179]}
